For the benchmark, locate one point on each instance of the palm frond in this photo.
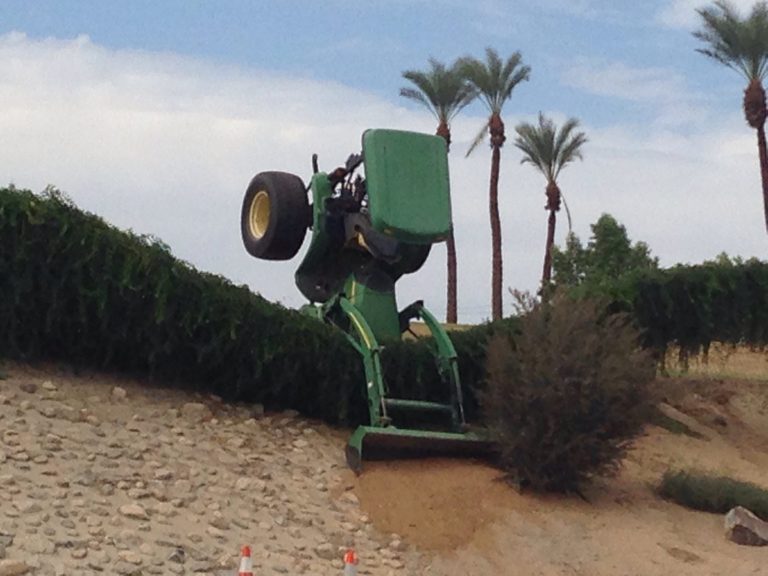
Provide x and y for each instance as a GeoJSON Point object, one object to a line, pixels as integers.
{"type": "Point", "coordinates": [548, 148]}
{"type": "Point", "coordinates": [416, 96]}
{"type": "Point", "coordinates": [494, 79]}
{"type": "Point", "coordinates": [567, 213]}
{"type": "Point", "coordinates": [736, 42]}
{"type": "Point", "coordinates": [442, 90]}
{"type": "Point", "coordinates": [478, 139]}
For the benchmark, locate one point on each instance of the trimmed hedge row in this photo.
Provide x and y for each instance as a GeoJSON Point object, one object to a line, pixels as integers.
{"type": "Point", "coordinates": [693, 306]}
{"type": "Point", "coordinates": [79, 290]}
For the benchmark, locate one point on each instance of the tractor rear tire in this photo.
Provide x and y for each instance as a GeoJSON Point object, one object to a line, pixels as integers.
{"type": "Point", "coordinates": [275, 216]}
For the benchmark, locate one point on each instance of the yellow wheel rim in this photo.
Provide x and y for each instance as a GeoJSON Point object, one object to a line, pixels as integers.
{"type": "Point", "coordinates": [258, 216]}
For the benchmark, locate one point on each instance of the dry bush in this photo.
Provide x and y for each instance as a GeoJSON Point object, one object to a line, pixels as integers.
{"type": "Point", "coordinates": [567, 394]}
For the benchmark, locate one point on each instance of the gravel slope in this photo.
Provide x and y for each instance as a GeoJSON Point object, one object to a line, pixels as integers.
{"type": "Point", "coordinates": [102, 475]}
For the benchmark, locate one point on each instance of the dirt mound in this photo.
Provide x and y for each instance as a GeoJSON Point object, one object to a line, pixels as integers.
{"type": "Point", "coordinates": [435, 504]}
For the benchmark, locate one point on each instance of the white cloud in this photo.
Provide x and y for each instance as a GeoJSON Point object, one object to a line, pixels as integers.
{"type": "Point", "coordinates": [664, 91]}
{"type": "Point", "coordinates": [616, 79]}
{"type": "Point", "coordinates": [682, 13]}
{"type": "Point", "coordinates": [166, 145]}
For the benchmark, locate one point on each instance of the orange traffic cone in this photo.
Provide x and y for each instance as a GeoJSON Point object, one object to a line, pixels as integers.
{"type": "Point", "coordinates": [246, 564]}
{"type": "Point", "coordinates": [350, 563]}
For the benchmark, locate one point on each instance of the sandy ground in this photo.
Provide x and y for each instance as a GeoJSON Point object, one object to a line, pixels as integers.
{"type": "Point", "coordinates": [433, 517]}
{"type": "Point", "coordinates": [475, 524]}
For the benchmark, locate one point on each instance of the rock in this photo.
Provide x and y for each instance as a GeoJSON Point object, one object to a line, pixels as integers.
{"type": "Point", "coordinates": [130, 557]}
{"type": "Point", "coordinates": [257, 411]}
{"type": "Point", "coordinates": [13, 568]}
{"type": "Point", "coordinates": [218, 520]}
{"type": "Point", "coordinates": [236, 442]}
{"type": "Point", "coordinates": [37, 545]}
{"type": "Point", "coordinates": [133, 511]}
{"type": "Point", "coordinates": [163, 474]}
{"type": "Point", "coordinates": [165, 509]}
{"type": "Point", "coordinates": [178, 555]}
{"type": "Point", "coordinates": [743, 527]}
{"type": "Point", "coordinates": [326, 551]}
{"type": "Point", "coordinates": [67, 413]}
{"type": "Point", "coordinates": [397, 545]}
{"type": "Point", "coordinates": [28, 387]}
{"type": "Point", "coordinates": [243, 484]}
{"type": "Point", "coordinates": [50, 386]}
{"type": "Point", "coordinates": [27, 506]}
{"type": "Point", "coordinates": [351, 498]}
{"type": "Point", "coordinates": [196, 412]}
{"type": "Point", "coordinates": [119, 393]}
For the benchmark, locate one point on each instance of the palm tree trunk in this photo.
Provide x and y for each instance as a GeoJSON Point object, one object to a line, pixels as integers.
{"type": "Point", "coordinates": [763, 170]}
{"type": "Point", "coordinates": [755, 113]}
{"type": "Point", "coordinates": [496, 132]}
{"type": "Point", "coordinates": [496, 263]}
{"type": "Point", "coordinates": [451, 315]}
{"type": "Point", "coordinates": [445, 131]}
{"type": "Point", "coordinates": [546, 275]}
{"type": "Point", "coordinates": [553, 205]}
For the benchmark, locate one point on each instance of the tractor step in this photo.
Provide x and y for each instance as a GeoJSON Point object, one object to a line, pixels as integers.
{"type": "Point", "coordinates": [418, 405]}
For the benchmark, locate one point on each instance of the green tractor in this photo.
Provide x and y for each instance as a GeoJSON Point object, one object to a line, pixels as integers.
{"type": "Point", "coordinates": [367, 232]}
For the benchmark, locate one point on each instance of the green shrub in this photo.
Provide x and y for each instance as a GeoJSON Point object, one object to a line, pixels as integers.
{"type": "Point", "coordinates": [711, 493]}
{"type": "Point", "coordinates": [566, 395]}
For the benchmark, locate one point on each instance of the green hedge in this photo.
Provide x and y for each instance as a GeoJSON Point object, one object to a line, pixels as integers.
{"type": "Point", "coordinates": [712, 493]}
{"type": "Point", "coordinates": [79, 290]}
{"type": "Point", "coordinates": [693, 306]}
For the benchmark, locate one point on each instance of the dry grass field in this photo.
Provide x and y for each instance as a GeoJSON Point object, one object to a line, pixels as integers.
{"type": "Point", "coordinates": [722, 362]}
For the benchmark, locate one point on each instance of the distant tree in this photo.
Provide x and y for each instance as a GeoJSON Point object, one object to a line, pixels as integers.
{"type": "Point", "coordinates": [725, 261]}
{"type": "Point", "coordinates": [494, 79]}
{"type": "Point", "coordinates": [444, 92]}
{"type": "Point", "coordinates": [550, 149]}
{"type": "Point", "coordinates": [742, 45]}
{"type": "Point", "coordinates": [608, 256]}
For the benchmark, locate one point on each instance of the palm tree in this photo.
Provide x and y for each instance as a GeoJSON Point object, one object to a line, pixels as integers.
{"type": "Point", "coordinates": [742, 45]}
{"type": "Point", "coordinates": [550, 150]}
{"type": "Point", "coordinates": [494, 80]}
{"type": "Point", "coordinates": [444, 93]}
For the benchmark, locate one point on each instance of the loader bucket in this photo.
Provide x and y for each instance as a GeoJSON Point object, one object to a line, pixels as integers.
{"type": "Point", "coordinates": [371, 443]}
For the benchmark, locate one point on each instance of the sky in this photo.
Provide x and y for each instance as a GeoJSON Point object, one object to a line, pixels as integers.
{"type": "Point", "coordinates": [156, 115]}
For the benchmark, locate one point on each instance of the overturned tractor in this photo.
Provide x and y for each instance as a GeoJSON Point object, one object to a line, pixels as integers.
{"type": "Point", "coordinates": [367, 232]}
